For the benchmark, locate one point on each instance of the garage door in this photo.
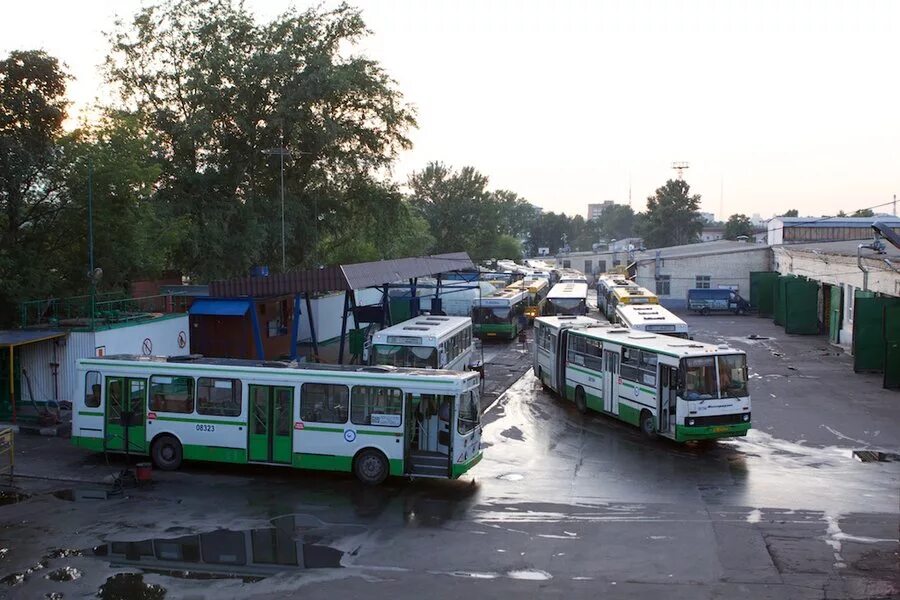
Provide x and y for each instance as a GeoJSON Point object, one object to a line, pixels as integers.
{"type": "Point", "coordinates": [762, 291]}
{"type": "Point", "coordinates": [869, 332]}
{"type": "Point", "coordinates": [892, 347]}
{"type": "Point", "coordinates": [801, 306]}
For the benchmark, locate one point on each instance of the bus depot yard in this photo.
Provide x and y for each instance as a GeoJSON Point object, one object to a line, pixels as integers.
{"type": "Point", "coordinates": [563, 503]}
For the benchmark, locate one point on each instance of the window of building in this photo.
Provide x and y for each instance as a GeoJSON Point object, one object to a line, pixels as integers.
{"type": "Point", "coordinates": [324, 402]}
{"type": "Point", "coordinates": [375, 405]}
{"type": "Point", "coordinates": [588, 267]}
{"type": "Point", "coordinates": [172, 394]}
{"type": "Point", "coordinates": [92, 389]}
{"type": "Point", "coordinates": [601, 266]}
{"type": "Point", "coordinates": [663, 285]}
{"type": "Point", "coordinates": [702, 282]}
{"type": "Point", "coordinates": [567, 264]}
{"type": "Point", "coordinates": [219, 397]}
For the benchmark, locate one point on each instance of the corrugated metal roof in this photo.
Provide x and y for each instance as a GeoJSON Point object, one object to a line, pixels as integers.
{"type": "Point", "coordinates": [19, 337]}
{"type": "Point", "coordinates": [346, 277]}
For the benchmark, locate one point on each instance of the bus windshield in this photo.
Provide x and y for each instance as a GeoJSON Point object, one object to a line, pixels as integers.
{"type": "Point", "coordinates": [485, 314]}
{"type": "Point", "coordinates": [733, 375]}
{"type": "Point", "coordinates": [568, 303]}
{"type": "Point", "coordinates": [699, 378]}
{"type": "Point", "coordinates": [406, 356]}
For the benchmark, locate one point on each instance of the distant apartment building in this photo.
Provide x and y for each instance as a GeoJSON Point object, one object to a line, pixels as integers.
{"type": "Point", "coordinates": [708, 217]}
{"type": "Point", "coordinates": [595, 210]}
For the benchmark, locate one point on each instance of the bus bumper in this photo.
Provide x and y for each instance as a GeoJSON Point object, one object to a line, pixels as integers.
{"type": "Point", "coordinates": [684, 433]}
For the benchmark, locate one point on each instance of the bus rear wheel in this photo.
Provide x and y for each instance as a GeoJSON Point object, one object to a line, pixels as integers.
{"type": "Point", "coordinates": [704, 311]}
{"type": "Point", "coordinates": [371, 467]}
{"type": "Point", "coordinates": [166, 453]}
{"type": "Point", "coordinates": [580, 402]}
{"type": "Point", "coordinates": [646, 424]}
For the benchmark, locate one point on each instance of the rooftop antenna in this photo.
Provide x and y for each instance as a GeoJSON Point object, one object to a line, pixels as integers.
{"type": "Point", "coordinates": [629, 196]}
{"type": "Point", "coordinates": [680, 166]}
{"type": "Point", "coordinates": [722, 198]}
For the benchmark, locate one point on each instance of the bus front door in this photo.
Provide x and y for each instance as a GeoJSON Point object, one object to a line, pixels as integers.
{"type": "Point", "coordinates": [611, 381]}
{"type": "Point", "coordinates": [667, 401]}
{"type": "Point", "coordinates": [271, 424]}
{"type": "Point", "coordinates": [126, 416]}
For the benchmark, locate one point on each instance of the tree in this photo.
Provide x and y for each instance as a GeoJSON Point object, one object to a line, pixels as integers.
{"type": "Point", "coordinates": [863, 212]}
{"type": "Point", "coordinates": [616, 222]}
{"type": "Point", "coordinates": [547, 231]}
{"type": "Point", "coordinates": [738, 225]}
{"type": "Point", "coordinates": [217, 90]}
{"type": "Point", "coordinates": [506, 246]}
{"type": "Point", "coordinates": [790, 213]}
{"type": "Point", "coordinates": [672, 216]}
{"type": "Point", "coordinates": [32, 110]}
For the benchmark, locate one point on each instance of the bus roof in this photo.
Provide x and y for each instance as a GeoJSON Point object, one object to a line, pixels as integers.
{"type": "Point", "coordinates": [535, 284]}
{"type": "Point", "coordinates": [647, 314]}
{"type": "Point", "coordinates": [436, 326]}
{"type": "Point", "coordinates": [505, 297]}
{"type": "Point", "coordinates": [269, 366]}
{"type": "Point", "coordinates": [570, 321]}
{"type": "Point", "coordinates": [633, 290]}
{"type": "Point", "coordinates": [569, 289]}
{"type": "Point", "coordinates": [655, 342]}
{"type": "Point", "coordinates": [614, 281]}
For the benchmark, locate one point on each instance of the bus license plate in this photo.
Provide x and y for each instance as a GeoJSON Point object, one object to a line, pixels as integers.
{"type": "Point", "coordinates": [719, 429]}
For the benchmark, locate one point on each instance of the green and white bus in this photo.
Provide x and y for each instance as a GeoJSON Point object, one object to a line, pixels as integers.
{"type": "Point", "coordinates": [675, 388]}
{"type": "Point", "coordinates": [567, 299]}
{"type": "Point", "coordinates": [426, 342]}
{"type": "Point", "coordinates": [371, 421]}
{"type": "Point", "coordinates": [501, 315]}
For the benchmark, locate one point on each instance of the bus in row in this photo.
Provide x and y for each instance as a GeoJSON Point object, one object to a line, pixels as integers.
{"type": "Point", "coordinates": [426, 342]}
{"type": "Point", "coordinates": [567, 299]}
{"type": "Point", "coordinates": [678, 389]}
{"type": "Point", "coordinates": [500, 315]}
{"type": "Point", "coordinates": [651, 317]}
{"type": "Point", "coordinates": [371, 421]}
{"type": "Point", "coordinates": [537, 289]}
{"type": "Point", "coordinates": [571, 276]}
{"type": "Point", "coordinates": [605, 285]}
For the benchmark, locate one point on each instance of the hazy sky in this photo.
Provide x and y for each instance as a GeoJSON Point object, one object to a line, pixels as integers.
{"type": "Point", "coordinates": [780, 104]}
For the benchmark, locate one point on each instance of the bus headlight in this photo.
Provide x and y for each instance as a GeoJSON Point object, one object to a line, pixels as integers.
{"type": "Point", "coordinates": [746, 417]}
{"type": "Point", "coordinates": [690, 422]}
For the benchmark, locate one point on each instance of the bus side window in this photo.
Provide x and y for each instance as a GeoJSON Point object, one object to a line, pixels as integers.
{"type": "Point", "coordinates": [92, 389]}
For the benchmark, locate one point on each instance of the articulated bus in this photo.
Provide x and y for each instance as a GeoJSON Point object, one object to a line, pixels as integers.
{"type": "Point", "coordinates": [500, 315]}
{"type": "Point", "coordinates": [651, 317]}
{"type": "Point", "coordinates": [605, 286]}
{"type": "Point", "coordinates": [678, 389]}
{"type": "Point", "coordinates": [371, 421]}
{"type": "Point", "coordinates": [537, 289]}
{"type": "Point", "coordinates": [567, 299]}
{"type": "Point", "coordinates": [426, 342]}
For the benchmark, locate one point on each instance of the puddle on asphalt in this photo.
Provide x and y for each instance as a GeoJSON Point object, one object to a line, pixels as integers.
{"type": "Point", "coordinates": [530, 575]}
{"type": "Point", "coordinates": [130, 586]}
{"type": "Point", "coordinates": [11, 497]}
{"type": "Point", "coordinates": [86, 495]}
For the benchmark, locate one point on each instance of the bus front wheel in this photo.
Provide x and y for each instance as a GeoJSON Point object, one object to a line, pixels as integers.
{"type": "Point", "coordinates": [166, 453]}
{"type": "Point", "coordinates": [646, 424]}
{"type": "Point", "coordinates": [371, 467]}
{"type": "Point", "coordinates": [580, 402]}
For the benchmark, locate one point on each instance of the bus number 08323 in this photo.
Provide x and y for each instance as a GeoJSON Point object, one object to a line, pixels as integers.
{"type": "Point", "coordinates": [201, 427]}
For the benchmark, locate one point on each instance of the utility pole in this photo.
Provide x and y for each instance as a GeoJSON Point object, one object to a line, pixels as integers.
{"type": "Point", "coordinates": [91, 274]}
{"type": "Point", "coordinates": [281, 152]}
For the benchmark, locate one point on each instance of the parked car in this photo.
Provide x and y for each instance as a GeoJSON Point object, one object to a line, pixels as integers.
{"type": "Point", "coordinates": [706, 301]}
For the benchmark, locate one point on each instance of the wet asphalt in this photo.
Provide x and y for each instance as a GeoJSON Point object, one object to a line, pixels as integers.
{"type": "Point", "coordinates": [562, 505]}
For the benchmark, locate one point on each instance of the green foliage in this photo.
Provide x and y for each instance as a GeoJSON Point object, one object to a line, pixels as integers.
{"type": "Point", "coordinates": [672, 217]}
{"type": "Point", "coordinates": [790, 213]}
{"type": "Point", "coordinates": [738, 225]}
{"type": "Point", "coordinates": [863, 212]}
{"type": "Point", "coordinates": [218, 90]}
{"type": "Point", "coordinates": [617, 222]}
{"type": "Point", "coordinates": [507, 246]}
{"type": "Point", "coordinates": [463, 214]}
{"type": "Point", "coordinates": [32, 110]}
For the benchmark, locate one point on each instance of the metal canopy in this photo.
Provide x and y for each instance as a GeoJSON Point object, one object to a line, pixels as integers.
{"type": "Point", "coordinates": [215, 307]}
{"type": "Point", "coordinates": [20, 337]}
{"type": "Point", "coordinates": [342, 278]}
